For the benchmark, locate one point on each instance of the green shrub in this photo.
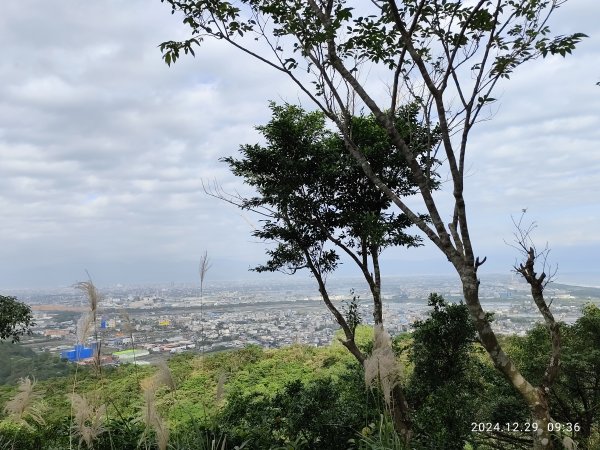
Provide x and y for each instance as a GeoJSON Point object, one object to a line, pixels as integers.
{"type": "Point", "coordinates": [322, 413]}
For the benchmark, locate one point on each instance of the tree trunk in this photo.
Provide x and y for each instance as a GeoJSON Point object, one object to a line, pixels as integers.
{"type": "Point", "coordinates": [376, 286]}
{"type": "Point", "coordinates": [401, 415]}
{"type": "Point", "coordinates": [399, 407]}
{"type": "Point", "coordinates": [534, 398]}
{"type": "Point", "coordinates": [540, 412]}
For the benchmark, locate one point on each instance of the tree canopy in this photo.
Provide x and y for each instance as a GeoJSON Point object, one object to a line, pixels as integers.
{"type": "Point", "coordinates": [575, 396]}
{"type": "Point", "coordinates": [443, 372]}
{"type": "Point", "coordinates": [15, 318]}
{"type": "Point", "coordinates": [312, 192]}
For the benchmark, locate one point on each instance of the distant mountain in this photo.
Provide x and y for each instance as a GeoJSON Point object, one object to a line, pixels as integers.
{"type": "Point", "coordinates": [578, 291]}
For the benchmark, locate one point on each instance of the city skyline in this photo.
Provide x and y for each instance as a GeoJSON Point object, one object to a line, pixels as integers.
{"type": "Point", "coordinates": [170, 319]}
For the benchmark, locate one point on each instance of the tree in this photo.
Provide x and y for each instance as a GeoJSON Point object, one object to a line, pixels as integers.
{"type": "Point", "coordinates": [575, 396]}
{"type": "Point", "coordinates": [442, 374]}
{"type": "Point", "coordinates": [15, 318]}
{"type": "Point", "coordinates": [446, 55]}
{"type": "Point", "coordinates": [450, 325]}
{"type": "Point", "coordinates": [577, 392]}
{"type": "Point", "coordinates": [317, 202]}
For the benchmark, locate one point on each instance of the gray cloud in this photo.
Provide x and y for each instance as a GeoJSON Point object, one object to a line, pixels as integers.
{"type": "Point", "coordinates": [103, 147]}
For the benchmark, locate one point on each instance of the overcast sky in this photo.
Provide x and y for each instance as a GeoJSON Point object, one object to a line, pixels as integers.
{"type": "Point", "coordinates": [103, 149]}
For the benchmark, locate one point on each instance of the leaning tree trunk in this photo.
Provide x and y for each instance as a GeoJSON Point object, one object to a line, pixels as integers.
{"type": "Point", "coordinates": [398, 406]}
{"type": "Point", "coordinates": [534, 397]}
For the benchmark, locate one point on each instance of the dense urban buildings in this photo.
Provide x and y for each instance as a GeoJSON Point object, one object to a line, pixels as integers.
{"type": "Point", "coordinates": [142, 323]}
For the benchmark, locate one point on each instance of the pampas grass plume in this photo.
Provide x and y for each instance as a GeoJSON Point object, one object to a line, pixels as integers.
{"type": "Point", "coordinates": [381, 365]}
{"type": "Point", "coordinates": [92, 294]}
{"type": "Point", "coordinates": [89, 419]}
{"type": "Point", "coordinates": [25, 404]}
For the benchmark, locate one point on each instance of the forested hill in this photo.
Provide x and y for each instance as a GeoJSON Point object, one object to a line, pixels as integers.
{"type": "Point", "coordinates": [18, 361]}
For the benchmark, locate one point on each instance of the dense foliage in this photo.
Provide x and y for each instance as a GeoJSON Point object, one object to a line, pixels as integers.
{"type": "Point", "coordinates": [19, 361]}
{"type": "Point", "coordinates": [444, 374]}
{"type": "Point", "coordinates": [322, 413]}
{"type": "Point", "coordinates": [311, 191]}
{"type": "Point", "coordinates": [15, 318]}
{"type": "Point", "coordinates": [575, 397]}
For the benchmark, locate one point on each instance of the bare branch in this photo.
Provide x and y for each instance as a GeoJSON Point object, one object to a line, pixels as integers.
{"type": "Point", "coordinates": [537, 282]}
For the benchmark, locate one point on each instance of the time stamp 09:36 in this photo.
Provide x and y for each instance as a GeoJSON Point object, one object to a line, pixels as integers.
{"type": "Point", "coordinates": [524, 427]}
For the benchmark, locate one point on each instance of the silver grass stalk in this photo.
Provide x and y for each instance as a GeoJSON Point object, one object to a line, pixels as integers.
{"type": "Point", "coordinates": [84, 327]}
{"type": "Point", "coordinates": [97, 355]}
{"type": "Point", "coordinates": [220, 393]}
{"type": "Point", "coordinates": [161, 429]}
{"type": "Point", "coordinates": [92, 294]}
{"type": "Point", "coordinates": [203, 268]}
{"type": "Point", "coordinates": [149, 415]}
{"type": "Point", "coordinates": [381, 366]}
{"type": "Point", "coordinates": [87, 429]}
{"type": "Point", "coordinates": [164, 377]}
{"type": "Point", "coordinates": [89, 419]}
{"type": "Point", "coordinates": [25, 404]}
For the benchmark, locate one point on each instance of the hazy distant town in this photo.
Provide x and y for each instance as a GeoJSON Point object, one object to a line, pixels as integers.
{"type": "Point", "coordinates": [144, 323]}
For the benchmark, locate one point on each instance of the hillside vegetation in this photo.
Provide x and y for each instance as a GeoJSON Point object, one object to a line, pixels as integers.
{"type": "Point", "coordinates": [19, 361]}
